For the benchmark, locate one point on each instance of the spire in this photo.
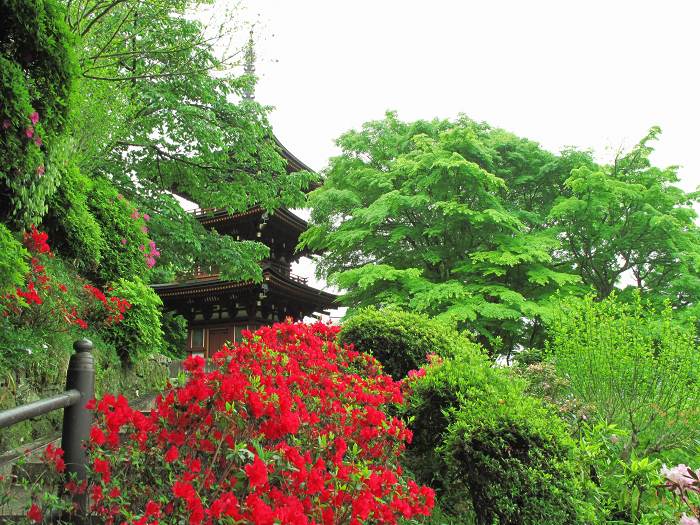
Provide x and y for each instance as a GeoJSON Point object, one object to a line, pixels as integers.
{"type": "Point", "coordinates": [249, 68]}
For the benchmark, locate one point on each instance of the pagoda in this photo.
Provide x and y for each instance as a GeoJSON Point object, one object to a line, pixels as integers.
{"type": "Point", "coordinates": [218, 310]}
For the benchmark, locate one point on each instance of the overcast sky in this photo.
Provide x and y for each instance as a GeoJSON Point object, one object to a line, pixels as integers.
{"type": "Point", "coordinates": [593, 74]}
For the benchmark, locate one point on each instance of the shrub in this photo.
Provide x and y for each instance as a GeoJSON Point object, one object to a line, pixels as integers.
{"type": "Point", "coordinates": [140, 334]}
{"type": "Point", "coordinates": [400, 340]}
{"type": "Point", "coordinates": [13, 262]}
{"type": "Point", "coordinates": [37, 72]}
{"type": "Point", "coordinates": [288, 428]}
{"type": "Point", "coordinates": [125, 233]}
{"type": "Point", "coordinates": [637, 367]}
{"type": "Point", "coordinates": [73, 228]}
{"type": "Point", "coordinates": [490, 449]}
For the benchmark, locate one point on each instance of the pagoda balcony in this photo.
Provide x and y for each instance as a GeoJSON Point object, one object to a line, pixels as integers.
{"type": "Point", "coordinates": [212, 273]}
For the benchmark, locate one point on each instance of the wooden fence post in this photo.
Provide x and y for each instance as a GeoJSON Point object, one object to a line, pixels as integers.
{"type": "Point", "coordinates": [77, 419]}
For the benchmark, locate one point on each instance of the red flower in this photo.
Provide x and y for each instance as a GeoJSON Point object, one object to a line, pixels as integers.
{"type": "Point", "coordinates": [35, 514]}
{"type": "Point", "coordinates": [96, 434]}
{"type": "Point", "coordinates": [256, 472]}
{"type": "Point", "coordinates": [100, 466]}
{"type": "Point", "coordinates": [34, 117]}
{"type": "Point", "coordinates": [172, 454]}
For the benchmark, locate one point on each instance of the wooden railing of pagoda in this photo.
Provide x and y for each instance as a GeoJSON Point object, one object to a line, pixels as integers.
{"type": "Point", "coordinates": [213, 272]}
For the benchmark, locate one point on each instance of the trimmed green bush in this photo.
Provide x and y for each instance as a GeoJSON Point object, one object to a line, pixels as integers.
{"type": "Point", "coordinates": [490, 450]}
{"type": "Point", "coordinates": [400, 340]}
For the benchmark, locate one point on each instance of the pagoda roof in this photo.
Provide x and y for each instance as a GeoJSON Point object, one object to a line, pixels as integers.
{"type": "Point", "coordinates": [209, 216]}
{"type": "Point", "coordinates": [293, 162]}
{"type": "Point", "coordinates": [213, 285]}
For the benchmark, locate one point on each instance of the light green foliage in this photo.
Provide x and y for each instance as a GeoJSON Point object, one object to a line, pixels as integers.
{"type": "Point", "coordinates": [115, 216]}
{"type": "Point", "coordinates": [635, 365]}
{"type": "Point", "coordinates": [37, 70]}
{"type": "Point", "coordinates": [414, 215]}
{"type": "Point", "coordinates": [139, 334]}
{"type": "Point", "coordinates": [400, 340]}
{"type": "Point", "coordinates": [72, 227]}
{"type": "Point", "coordinates": [483, 443]}
{"type": "Point", "coordinates": [13, 262]}
{"type": "Point", "coordinates": [630, 218]}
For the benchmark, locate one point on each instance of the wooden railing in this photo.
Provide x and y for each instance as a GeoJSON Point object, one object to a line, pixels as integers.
{"type": "Point", "coordinates": [77, 419]}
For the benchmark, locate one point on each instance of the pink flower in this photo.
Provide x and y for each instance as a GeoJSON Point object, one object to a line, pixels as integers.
{"type": "Point", "coordinates": [135, 215]}
{"type": "Point", "coordinates": [38, 141]}
{"type": "Point", "coordinates": [146, 217]}
{"type": "Point", "coordinates": [34, 117]}
{"type": "Point", "coordinates": [142, 247]}
{"type": "Point", "coordinates": [144, 229]}
{"type": "Point", "coordinates": [29, 132]}
{"type": "Point", "coordinates": [688, 520]}
{"type": "Point", "coordinates": [40, 170]}
{"type": "Point", "coordinates": [6, 123]}
{"type": "Point", "coordinates": [123, 241]}
{"type": "Point", "coordinates": [678, 475]}
{"type": "Point", "coordinates": [150, 262]}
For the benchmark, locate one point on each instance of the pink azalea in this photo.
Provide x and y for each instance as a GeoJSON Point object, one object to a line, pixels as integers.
{"type": "Point", "coordinates": [29, 132]}
{"type": "Point", "coordinates": [688, 520]}
{"type": "Point", "coordinates": [38, 141]}
{"type": "Point", "coordinates": [678, 475]}
{"type": "Point", "coordinates": [150, 262]}
{"type": "Point", "coordinates": [144, 229]}
{"type": "Point", "coordinates": [142, 247]}
{"type": "Point", "coordinates": [34, 117]}
{"type": "Point", "coordinates": [6, 123]}
{"type": "Point", "coordinates": [123, 241]}
{"type": "Point", "coordinates": [135, 215]}
{"type": "Point", "coordinates": [146, 217]}
{"type": "Point", "coordinates": [40, 170]}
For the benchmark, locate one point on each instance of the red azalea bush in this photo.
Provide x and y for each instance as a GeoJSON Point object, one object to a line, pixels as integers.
{"type": "Point", "coordinates": [288, 427]}
{"type": "Point", "coordinates": [87, 303]}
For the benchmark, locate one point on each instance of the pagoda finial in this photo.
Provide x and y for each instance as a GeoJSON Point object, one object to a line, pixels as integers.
{"type": "Point", "coordinates": [249, 68]}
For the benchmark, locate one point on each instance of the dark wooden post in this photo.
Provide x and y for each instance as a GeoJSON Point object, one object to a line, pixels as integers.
{"type": "Point", "coordinates": [77, 419]}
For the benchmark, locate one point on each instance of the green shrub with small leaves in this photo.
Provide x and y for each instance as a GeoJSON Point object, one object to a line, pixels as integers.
{"type": "Point", "coordinates": [124, 234]}
{"type": "Point", "coordinates": [400, 340]}
{"type": "Point", "coordinates": [489, 449]}
{"type": "Point", "coordinates": [13, 261]}
{"type": "Point", "coordinates": [140, 334]}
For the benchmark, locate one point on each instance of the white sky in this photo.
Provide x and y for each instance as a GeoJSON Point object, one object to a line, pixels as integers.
{"type": "Point", "coordinates": [593, 74]}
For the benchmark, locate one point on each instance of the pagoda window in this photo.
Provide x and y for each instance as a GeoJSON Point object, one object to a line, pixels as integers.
{"type": "Point", "coordinates": [197, 339]}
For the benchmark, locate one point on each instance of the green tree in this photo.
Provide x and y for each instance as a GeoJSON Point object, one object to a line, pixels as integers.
{"type": "Point", "coordinates": [628, 219]}
{"type": "Point", "coordinates": [161, 111]}
{"type": "Point", "coordinates": [412, 215]}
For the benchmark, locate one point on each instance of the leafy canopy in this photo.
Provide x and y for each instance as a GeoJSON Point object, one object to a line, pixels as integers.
{"type": "Point", "coordinates": [416, 216]}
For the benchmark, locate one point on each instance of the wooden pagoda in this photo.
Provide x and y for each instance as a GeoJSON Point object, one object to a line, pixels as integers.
{"type": "Point", "coordinates": [217, 310]}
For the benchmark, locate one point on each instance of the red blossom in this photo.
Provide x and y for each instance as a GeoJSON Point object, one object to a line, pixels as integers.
{"type": "Point", "coordinates": [256, 472]}
{"type": "Point", "coordinates": [35, 514]}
